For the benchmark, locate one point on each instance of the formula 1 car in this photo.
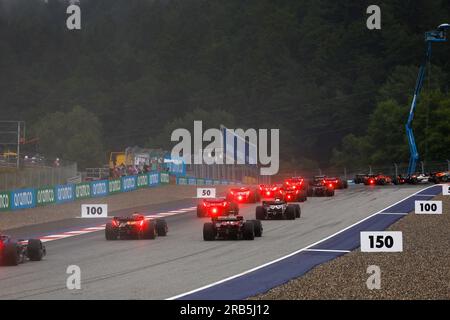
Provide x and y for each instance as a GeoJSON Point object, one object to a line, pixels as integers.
{"type": "Point", "coordinates": [440, 177]}
{"type": "Point", "coordinates": [231, 227]}
{"type": "Point", "coordinates": [291, 194]}
{"type": "Point", "coordinates": [398, 179]}
{"type": "Point", "coordinates": [318, 188]}
{"type": "Point", "coordinates": [270, 191]}
{"type": "Point", "coordinates": [295, 183]}
{"type": "Point", "coordinates": [13, 252]}
{"type": "Point", "coordinates": [417, 179]}
{"type": "Point", "coordinates": [136, 226]}
{"type": "Point", "coordinates": [216, 207]}
{"type": "Point", "coordinates": [277, 210]}
{"type": "Point", "coordinates": [243, 194]}
{"type": "Point", "coordinates": [359, 178]}
{"type": "Point", "coordinates": [337, 183]}
{"type": "Point", "coordinates": [378, 179]}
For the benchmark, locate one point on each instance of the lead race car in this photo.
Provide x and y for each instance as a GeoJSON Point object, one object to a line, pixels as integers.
{"type": "Point", "coordinates": [136, 226]}
{"type": "Point", "coordinates": [214, 207]}
{"type": "Point", "coordinates": [231, 227]}
{"type": "Point", "coordinates": [13, 252]}
{"type": "Point", "coordinates": [277, 210]}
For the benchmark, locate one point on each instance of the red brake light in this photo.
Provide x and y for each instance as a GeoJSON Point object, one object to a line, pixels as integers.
{"type": "Point", "coordinates": [240, 198]}
{"type": "Point", "coordinates": [214, 210]}
{"type": "Point", "coordinates": [114, 223]}
{"type": "Point", "coordinates": [268, 193]}
{"type": "Point", "coordinates": [371, 181]}
{"type": "Point", "coordinates": [330, 185]}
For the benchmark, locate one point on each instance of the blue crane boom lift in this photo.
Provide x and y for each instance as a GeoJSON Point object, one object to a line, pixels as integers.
{"type": "Point", "coordinates": [439, 35]}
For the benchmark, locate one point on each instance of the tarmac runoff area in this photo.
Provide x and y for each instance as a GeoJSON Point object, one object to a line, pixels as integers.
{"type": "Point", "coordinates": [421, 271]}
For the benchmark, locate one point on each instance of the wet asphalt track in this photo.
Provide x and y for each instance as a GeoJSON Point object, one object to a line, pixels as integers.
{"type": "Point", "coordinates": [182, 261]}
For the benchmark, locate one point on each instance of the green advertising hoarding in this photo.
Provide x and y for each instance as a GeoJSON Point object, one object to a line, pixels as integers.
{"type": "Point", "coordinates": [114, 186]}
{"type": "Point", "coordinates": [45, 196]}
{"type": "Point", "coordinates": [4, 201]}
{"type": "Point", "coordinates": [82, 191]}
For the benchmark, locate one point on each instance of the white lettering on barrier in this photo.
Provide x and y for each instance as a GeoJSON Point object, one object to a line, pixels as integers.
{"type": "Point", "coordinates": [23, 199]}
{"type": "Point", "coordinates": [128, 183]}
{"type": "Point", "coordinates": [64, 193]}
{"type": "Point", "coordinates": [83, 191]}
{"type": "Point", "coordinates": [44, 196]}
{"type": "Point", "coordinates": [4, 201]}
{"type": "Point", "coordinates": [99, 188]}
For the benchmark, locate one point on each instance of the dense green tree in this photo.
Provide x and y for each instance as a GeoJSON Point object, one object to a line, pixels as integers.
{"type": "Point", "coordinates": [72, 136]}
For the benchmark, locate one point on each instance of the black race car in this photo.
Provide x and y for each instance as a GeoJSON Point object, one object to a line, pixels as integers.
{"type": "Point", "coordinates": [277, 210]}
{"type": "Point", "coordinates": [318, 187]}
{"type": "Point", "coordinates": [359, 178]}
{"type": "Point", "coordinates": [231, 227]}
{"type": "Point", "coordinates": [136, 226]}
{"type": "Point", "coordinates": [13, 252]}
{"type": "Point", "coordinates": [215, 207]}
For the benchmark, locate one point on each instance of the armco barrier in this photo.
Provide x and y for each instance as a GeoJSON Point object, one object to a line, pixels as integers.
{"type": "Point", "coordinates": [45, 196]}
{"type": "Point", "coordinates": [99, 188]}
{"type": "Point", "coordinates": [82, 191]}
{"type": "Point", "coordinates": [23, 199]}
{"type": "Point", "coordinates": [4, 201]}
{"type": "Point", "coordinates": [65, 193]}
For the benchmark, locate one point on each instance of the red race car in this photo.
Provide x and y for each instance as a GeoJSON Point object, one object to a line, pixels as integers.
{"type": "Point", "coordinates": [136, 226]}
{"type": "Point", "coordinates": [270, 191]}
{"type": "Point", "coordinates": [243, 194]}
{"type": "Point", "coordinates": [216, 207]}
{"type": "Point", "coordinates": [337, 183]}
{"type": "Point", "coordinates": [291, 194]}
{"type": "Point", "coordinates": [295, 183]}
{"type": "Point", "coordinates": [377, 179]}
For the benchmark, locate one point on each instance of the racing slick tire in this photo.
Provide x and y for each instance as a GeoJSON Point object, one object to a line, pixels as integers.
{"type": "Point", "coordinates": [234, 208]}
{"type": "Point", "coordinates": [161, 227]}
{"type": "Point", "coordinates": [302, 197]}
{"type": "Point", "coordinates": [329, 193]}
{"type": "Point", "coordinates": [290, 212]}
{"type": "Point", "coordinates": [11, 255]}
{"type": "Point", "coordinates": [35, 250]}
{"type": "Point", "coordinates": [258, 227]}
{"type": "Point", "coordinates": [310, 192]}
{"type": "Point", "coordinates": [257, 197]}
{"type": "Point", "coordinates": [200, 211]}
{"type": "Point", "coordinates": [345, 184]}
{"type": "Point", "coordinates": [298, 211]}
{"type": "Point", "coordinates": [110, 232]}
{"type": "Point", "coordinates": [149, 231]}
{"type": "Point", "coordinates": [248, 230]}
{"type": "Point", "coordinates": [260, 213]}
{"type": "Point", "coordinates": [209, 232]}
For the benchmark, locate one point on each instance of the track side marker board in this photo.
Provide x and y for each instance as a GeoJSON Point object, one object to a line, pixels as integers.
{"type": "Point", "coordinates": [446, 189]}
{"type": "Point", "coordinates": [428, 207]}
{"type": "Point", "coordinates": [203, 193]}
{"type": "Point", "coordinates": [381, 241]}
{"type": "Point", "coordinates": [94, 210]}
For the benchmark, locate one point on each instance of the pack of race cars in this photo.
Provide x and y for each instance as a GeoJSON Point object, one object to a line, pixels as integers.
{"type": "Point", "coordinates": [417, 178]}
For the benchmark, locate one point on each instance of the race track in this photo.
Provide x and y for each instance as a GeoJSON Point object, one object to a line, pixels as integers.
{"type": "Point", "coordinates": [182, 261]}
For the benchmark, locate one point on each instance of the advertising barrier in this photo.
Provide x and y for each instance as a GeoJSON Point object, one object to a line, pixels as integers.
{"type": "Point", "coordinates": [129, 183]}
{"type": "Point", "coordinates": [4, 201]}
{"type": "Point", "coordinates": [99, 188]}
{"type": "Point", "coordinates": [30, 198]}
{"type": "Point", "coordinates": [23, 199]}
{"type": "Point", "coordinates": [114, 186]}
{"type": "Point", "coordinates": [45, 196]}
{"type": "Point", "coordinates": [65, 193]}
{"type": "Point", "coordinates": [82, 190]}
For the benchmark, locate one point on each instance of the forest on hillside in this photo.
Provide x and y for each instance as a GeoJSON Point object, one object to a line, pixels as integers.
{"type": "Point", "coordinates": [137, 69]}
